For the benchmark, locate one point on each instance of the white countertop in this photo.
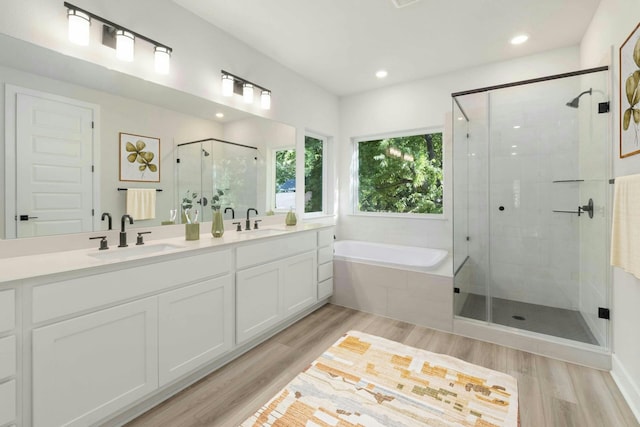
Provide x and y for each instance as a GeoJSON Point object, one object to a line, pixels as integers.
{"type": "Point", "coordinates": [30, 266]}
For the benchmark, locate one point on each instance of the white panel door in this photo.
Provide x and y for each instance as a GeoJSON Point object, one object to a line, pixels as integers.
{"type": "Point", "coordinates": [196, 326]}
{"type": "Point", "coordinates": [300, 286]}
{"type": "Point", "coordinates": [86, 368]}
{"type": "Point", "coordinates": [257, 300]}
{"type": "Point", "coordinates": [54, 143]}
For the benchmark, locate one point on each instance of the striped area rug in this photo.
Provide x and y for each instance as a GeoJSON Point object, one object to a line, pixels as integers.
{"type": "Point", "coordinates": [367, 381]}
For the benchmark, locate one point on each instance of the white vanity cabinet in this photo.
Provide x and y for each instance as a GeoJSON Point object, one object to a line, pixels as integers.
{"type": "Point", "coordinates": [325, 263]}
{"type": "Point", "coordinates": [8, 348]}
{"type": "Point", "coordinates": [196, 326]}
{"type": "Point", "coordinates": [88, 367]}
{"type": "Point", "coordinates": [129, 349]}
{"type": "Point", "coordinates": [269, 293]}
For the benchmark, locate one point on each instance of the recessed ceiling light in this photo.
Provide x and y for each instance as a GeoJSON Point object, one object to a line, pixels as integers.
{"type": "Point", "coordinates": [460, 118]}
{"type": "Point", "coordinates": [381, 74]}
{"type": "Point", "coordinates": [514, 146]}
{"type": "Point", "coordinates": [519, 39]}
{"type": "Point", "coordinates": [516, 127]}
{"type": "Point", "coordinates": [219, 115]}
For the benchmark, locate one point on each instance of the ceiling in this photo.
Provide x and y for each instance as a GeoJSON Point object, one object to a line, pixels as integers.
{"type": "Point", "coordinates": [340, 44]}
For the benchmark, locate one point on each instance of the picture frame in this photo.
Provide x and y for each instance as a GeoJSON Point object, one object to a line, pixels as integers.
{"type": "Point", "coordinates": [139, 158]}
{"type": "Point", "coordinates": [630, 94]}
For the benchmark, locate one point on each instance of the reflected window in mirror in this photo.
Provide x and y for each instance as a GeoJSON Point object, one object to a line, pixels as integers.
{"type": "Point", "coordinates": [285, 179]}
{"type": "Point", "coordinates": [314, 173]}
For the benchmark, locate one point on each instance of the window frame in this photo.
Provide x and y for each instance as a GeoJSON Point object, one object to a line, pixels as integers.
{"type": "Point", "coordinates": [355, 169]}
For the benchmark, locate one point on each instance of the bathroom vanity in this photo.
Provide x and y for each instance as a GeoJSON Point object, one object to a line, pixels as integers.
{"type": "Point", "coordinates": [97, 337]}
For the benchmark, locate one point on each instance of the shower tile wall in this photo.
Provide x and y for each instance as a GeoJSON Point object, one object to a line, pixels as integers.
{"type": "Point", "coordinates": [534, 252]}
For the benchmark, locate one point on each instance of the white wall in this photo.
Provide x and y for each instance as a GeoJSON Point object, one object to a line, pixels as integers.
{"type": "Point", "coordinates": [611, 25]}
{"type": "Point", "coordinates": [416, 105]}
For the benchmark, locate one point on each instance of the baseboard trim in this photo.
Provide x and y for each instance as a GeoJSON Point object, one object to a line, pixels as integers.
{"type": "Point", "coordinates": [629, 390]}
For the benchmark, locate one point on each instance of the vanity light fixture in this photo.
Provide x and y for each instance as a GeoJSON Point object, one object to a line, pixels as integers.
{"type": "Point", "coordinates": [247, 93]}
{"type": "Point", "coordinates": [125, 42]}
{"type": "Point", "coordinates": [162, 59]}
{"type": "Point", "coordinates": [265, 100]}
{"type": "Point", "coordinates": [115, 36]}
{"type": "Point", "coordinates": [233, 84]}
{"type": "Point", "coordinates": [227, 85]}
{"type": "Point", "coordinates": [79, 26]}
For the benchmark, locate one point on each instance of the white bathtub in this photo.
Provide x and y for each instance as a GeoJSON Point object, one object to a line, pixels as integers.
{"type": "Point", "coordinates": [407, 283]}
{"type": "Point", "coordinates": [395, 256]}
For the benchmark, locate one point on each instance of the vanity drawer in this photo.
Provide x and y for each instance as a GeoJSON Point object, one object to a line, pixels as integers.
{"type": "Point", "coordinates": [7, 357]}
{"type": "Point", "coordinates": [325, 271]}
{"type": "Point", "coordinates": [325, 289]}
{"type": "Point", "coordinates": [325, 254]}
{"type": "Point", "coordinates": [84, 293]}
{"type": "Point", "coordinates": [7, 401]}
{"type": "Point", "coordinates": [7, 310]}
{"type": "Point", "coordinates": [325, 237]}
{"type": "Point", "coordinates": [275, 248]}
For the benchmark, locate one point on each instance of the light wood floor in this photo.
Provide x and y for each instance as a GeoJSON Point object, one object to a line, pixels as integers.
{"type": "Point", "coordinates": [551, 393]}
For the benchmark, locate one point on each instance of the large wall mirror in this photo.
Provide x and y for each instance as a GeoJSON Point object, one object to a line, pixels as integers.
{"type": "Point", "coordinates": [53, 102]}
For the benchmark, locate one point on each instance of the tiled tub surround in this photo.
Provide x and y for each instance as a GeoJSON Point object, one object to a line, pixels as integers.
{"type": "Point", "coordinates": [403, 293]}
{"type": "Point", "coordinates": [99, 340]}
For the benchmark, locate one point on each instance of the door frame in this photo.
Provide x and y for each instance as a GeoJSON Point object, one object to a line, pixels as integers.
{"type": "Point", "coordinates": [10, 158]}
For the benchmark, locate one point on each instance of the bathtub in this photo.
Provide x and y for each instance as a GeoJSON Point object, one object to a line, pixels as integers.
{"type": "Point", "coordinates": [406, 283]}
{"type": "Point", "coordinates": [396, 256]}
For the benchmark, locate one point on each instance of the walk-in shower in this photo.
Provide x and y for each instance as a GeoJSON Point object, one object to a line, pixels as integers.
{"type": "Point", "coordinates": [531, 206]}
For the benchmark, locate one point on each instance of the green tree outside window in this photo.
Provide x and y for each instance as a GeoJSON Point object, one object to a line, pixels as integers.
{"type": "Point", "coordinates": [401, 174]}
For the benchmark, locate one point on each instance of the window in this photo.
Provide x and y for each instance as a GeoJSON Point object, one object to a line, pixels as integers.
{"type": "Point", "coordinates": [285, 179]}
{"type": "Point", "coordinates": [399, 174]}
{"type": "Point", "coordinates": [314, 167]}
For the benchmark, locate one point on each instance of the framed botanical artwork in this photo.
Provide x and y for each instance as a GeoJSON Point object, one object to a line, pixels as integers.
{"type": "Point", "coordinates": [139, 158]}
{"type": "Point", "coordinates": [630, 94]}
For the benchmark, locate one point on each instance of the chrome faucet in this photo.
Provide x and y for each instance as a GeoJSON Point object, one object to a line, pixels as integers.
{"type": "Point", "coordinates": [107, 215]}
{"type": "Point", "coordinates": [247, 224]}
{"type": "Point", "coordinates": [123, 235]}
{"type": "Point", "coordinates": [233, 213]}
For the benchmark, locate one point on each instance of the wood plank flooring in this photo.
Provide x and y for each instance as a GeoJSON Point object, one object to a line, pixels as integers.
{"type": "Point", "coordinates": [551, 392]}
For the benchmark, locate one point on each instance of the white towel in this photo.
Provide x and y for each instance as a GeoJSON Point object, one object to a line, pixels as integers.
{"type": "Point", "coordinates": [141, 203]}
{"type": "Point", "coordinates": [625, 232]}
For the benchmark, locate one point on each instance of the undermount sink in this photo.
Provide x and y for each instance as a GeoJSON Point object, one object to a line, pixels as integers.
{"type": "Point", "coordinates": [134, 251]}
{"type": "Point", "coordinates": [259, 233]}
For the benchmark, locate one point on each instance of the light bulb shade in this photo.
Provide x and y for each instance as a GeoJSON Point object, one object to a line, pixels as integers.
{"type": "Point", "coordinates": [124, 45]}
{"type": "Point", "coordinates": [265, 100]}
{"type": "Point", "coordinates": [227, 85]}
{"type": "Point", "coordinates": [247, 93]}
{"type": "Point", "coordinates": [79, 26]}
{"type": "Point", "coordinates": [162, 59]}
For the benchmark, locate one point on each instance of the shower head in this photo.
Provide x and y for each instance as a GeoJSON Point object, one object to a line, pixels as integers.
{"type": "Point", "coordinates": [576, 101]}
{"type": "Point", "coordinates": [205, 152]}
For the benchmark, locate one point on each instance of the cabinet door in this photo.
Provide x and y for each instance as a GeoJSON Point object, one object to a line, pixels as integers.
{"type": "Point", "coordinates": [88, 367]}
{"type": "Point", "coordinates": [299, 286]}
{"type": "Point", "coordinates": [196, 326]}
{"type": "Point", "coordinates": [257, 300]}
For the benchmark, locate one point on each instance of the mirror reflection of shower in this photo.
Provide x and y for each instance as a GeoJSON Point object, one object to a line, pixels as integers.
{"type": "Point", "coordinates": [576, 101]}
